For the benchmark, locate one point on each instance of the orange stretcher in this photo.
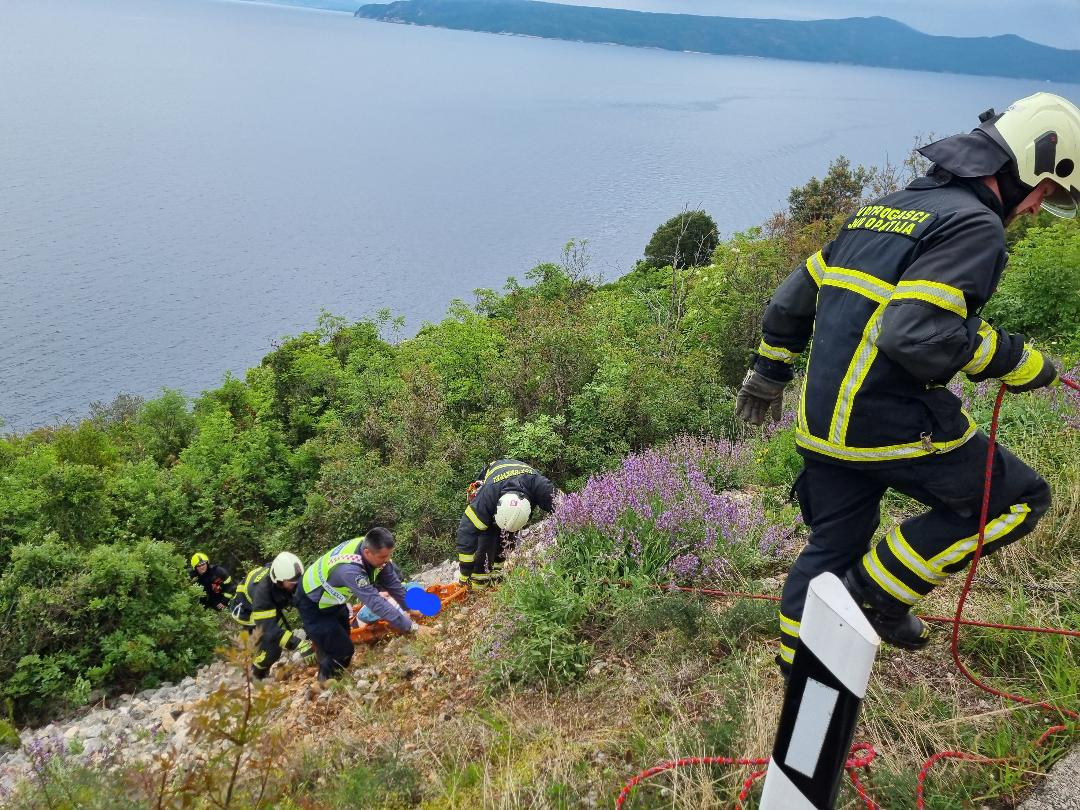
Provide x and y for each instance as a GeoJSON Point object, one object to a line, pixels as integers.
{"type": "Point", "coordinates": [366, 633]}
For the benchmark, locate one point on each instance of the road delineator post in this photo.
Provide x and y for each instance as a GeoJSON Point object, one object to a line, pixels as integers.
{"type": "Point", "coordinates": [829, 673]}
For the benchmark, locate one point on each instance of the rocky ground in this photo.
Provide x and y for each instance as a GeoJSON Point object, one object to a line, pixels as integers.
{"type": "Point", "coordinates": [133, 728]}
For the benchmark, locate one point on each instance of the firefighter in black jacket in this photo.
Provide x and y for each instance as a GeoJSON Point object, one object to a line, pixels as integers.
{"type": "Point", "coordinates": [893, 304]}
{"type": "Point", "coordinates": [258, 605]}
{"type": "Point", "coordinates": [508, 491]}
{"type": "Point", "coordinates": [215, 580]}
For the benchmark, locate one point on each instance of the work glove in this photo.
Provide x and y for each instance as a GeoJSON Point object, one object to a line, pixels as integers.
{"type": "Point", "coordinates": [1045, 376]}
{"type": "Point", "coordinates": [759, 395]}
{"type": "Point", "coordinates": [306, 653]}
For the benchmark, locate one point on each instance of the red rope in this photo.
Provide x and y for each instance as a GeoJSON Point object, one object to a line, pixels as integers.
{"type": "Point", "coordinates": [1019, 628]}
{"type": "Point", "coordinates": [955, 645]}
{"type": "Point", "coordinates": [855, 762]}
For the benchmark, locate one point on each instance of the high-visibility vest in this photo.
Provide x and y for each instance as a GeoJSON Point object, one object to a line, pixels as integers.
{"type": "Point", "coordinates": [318, 573]}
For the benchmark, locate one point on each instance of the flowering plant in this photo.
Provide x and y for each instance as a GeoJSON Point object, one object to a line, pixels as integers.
{"type": "Point", "coordinates": [667, 514]}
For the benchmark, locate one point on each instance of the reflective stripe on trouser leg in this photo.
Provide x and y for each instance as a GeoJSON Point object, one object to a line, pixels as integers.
{"type": "Point", "coordinates": [789, 637]}
{"type": "Point", "coordinates": [486, 548]}
{"type": "Point", "coordinates": [923, 551]}
{"type": "Point", "coordinates": [840, 505]}
{"type": "Point", "coordinates": [467, 541]}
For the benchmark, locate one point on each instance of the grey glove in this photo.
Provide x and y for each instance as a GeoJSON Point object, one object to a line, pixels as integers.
{"type": "Point", "coordinates": [758, 396]}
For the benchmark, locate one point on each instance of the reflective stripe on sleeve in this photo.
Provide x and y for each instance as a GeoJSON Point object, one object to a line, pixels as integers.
{"type": "Point", "coordinates": [471, 515]}
{"type": "Point", "coordinates": [932, 292]}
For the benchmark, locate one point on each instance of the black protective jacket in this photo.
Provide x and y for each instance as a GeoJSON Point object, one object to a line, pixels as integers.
{"type": "Point", "coordinates": [500, 477]}
{"type": "Point", "coordinates": [259, 604]}
{"type": "Point", "coordinates": [893, 305]}
{"type": "Point", "coordinates": [218, 584]}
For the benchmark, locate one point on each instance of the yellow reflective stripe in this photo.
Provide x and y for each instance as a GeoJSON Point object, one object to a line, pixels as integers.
{"type": "Point", "coordinates": [887, 453]}
{"type": "Point", "coordinates": [789, 626]}
{"type": "Point", "coordinates": [466, 557]}
{"type": "Point", "coordinates": [801, 421]}
{"type": "Point", "coordinates": [285, 638]}
{"type": "Point", "coordinates": [996, 529]}
{"type": "Point", "coordinates": [872, 565]}
{"type": "Point", "coordinates": [861, 361]}
{"type": "Point", "coordinates": [498, 467]}
{"type": "Point", "coordinates": [815, 266]}
{"type": "Point", "coordinates": [1031, 363]}
{"type": "Point", "coordinates": [776, 352]}
{"type": "Point", "coordinates": [900, 548]}
{"type": "Point", "coordinates": [787, 654]}
{"type": "Point", "coordinates": [471, 515]}
{"type": "Point", "coordinates": [480, 577]}
{"type": "Point", "coordinates": [984, 352]}
{"type": "Point", "coordinates": [858, 282]}
{"type": "Point", "coordinates": [932, 292]}
{"type": "Point", "coordinates": [259, 615]}
{"type": "Point", "coordinates": [462, 578]}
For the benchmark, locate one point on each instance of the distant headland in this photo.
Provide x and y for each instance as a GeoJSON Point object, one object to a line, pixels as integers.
{"type": "Point", "coordinates": [870, 41]}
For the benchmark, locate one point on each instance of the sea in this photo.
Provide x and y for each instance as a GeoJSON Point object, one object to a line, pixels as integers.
{"type": "Point", "coordinates": [184, 183]}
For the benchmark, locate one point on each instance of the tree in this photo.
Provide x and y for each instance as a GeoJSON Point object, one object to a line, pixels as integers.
{"type": "Point", "coordinates": [686, 240]}
{"type": "Point", "coordinates": [838, 193]}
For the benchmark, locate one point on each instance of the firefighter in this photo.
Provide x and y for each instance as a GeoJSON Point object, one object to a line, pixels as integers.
{"type": "Point", "coordinates": [501, 502]}
{"type": "Point", "coordinates": [215, 580]}
{"type": "Point", "coordinates": [358, 568]}
{"type": "Point", "coordinates": [259, 607]}
{"type": "Point", "coordinates": [893, 304]}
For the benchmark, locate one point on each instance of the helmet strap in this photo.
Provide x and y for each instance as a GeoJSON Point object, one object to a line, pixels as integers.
{"type": "Point", "coordinates": [1013, 190]}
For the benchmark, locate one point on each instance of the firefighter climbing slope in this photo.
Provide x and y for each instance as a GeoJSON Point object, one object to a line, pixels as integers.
{"type": "Point", "coordinates": [893, 304]}
{"type": "Point", "coordinates": [500, 505]}
{"type": "Point", "coordinates": [259, 607]}
{"type": "Point", "coordinates": [215, 580]}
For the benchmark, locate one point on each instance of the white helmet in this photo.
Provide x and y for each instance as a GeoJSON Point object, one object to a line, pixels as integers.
{"type": "Point", "coordinates": [512, 512]}
{"type": "Point", "coordinates": [286, 565]}
{"type": "Point", "coordinates": [1042, 132]}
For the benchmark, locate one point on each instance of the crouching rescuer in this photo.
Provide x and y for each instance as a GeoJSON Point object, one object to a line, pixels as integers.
{"type": "Point", "coordinates": [258, 606]}
{"type": "Point", "coordinates": [502, 500]}
{"type": "Point", "coordinates": [359, 569]}
{"type": "Point", "coordinates": [893, 303]}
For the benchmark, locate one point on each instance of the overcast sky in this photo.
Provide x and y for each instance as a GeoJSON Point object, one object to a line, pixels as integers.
{"type": "Point", "coordinates": [1052, 22]}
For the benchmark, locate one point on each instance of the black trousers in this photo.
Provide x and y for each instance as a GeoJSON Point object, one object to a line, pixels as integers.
{"type": "Point", "coordinates": [841, 505]}
{"type": "Point", "coordinates": [481, 554]}
{"type": "Point", "coordinates": [328, 629]}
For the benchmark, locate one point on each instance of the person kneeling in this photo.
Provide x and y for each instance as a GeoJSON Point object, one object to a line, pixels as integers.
{"type": "Point", "coordinates": [358, 568]}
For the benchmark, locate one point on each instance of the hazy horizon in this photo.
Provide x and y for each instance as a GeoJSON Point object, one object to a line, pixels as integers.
{"type": "Point", "coordinates": [1049, 22]}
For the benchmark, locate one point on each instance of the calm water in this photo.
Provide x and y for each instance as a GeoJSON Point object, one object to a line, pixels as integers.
{"type": "Point", "coordinates": [182, 182]}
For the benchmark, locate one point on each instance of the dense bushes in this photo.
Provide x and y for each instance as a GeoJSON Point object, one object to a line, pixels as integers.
{"type": "Point", "coordinates": [667, 516]}
{"type": "Point", "coordinates": [1039, 294]}
{"type": "Point", "coordinates": [121, 615]}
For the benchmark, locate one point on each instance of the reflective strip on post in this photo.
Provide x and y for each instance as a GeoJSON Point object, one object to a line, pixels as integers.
{"type": "Point", "coordinates": [831, 668]}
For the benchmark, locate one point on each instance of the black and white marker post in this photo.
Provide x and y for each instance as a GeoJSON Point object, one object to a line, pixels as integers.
{"type": "Point", "coordinates": [832, 664]}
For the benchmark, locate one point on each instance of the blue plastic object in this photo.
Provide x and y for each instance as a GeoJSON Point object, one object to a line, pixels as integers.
{"type": "Point", "coordinates": [429, 604]}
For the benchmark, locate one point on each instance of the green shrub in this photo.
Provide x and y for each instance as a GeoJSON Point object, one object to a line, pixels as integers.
{"type": "Point", "coordinates": [116, 617]}
{"type": "Point", "coordinates": [685, 240]}
{"type": "Point", "coordinates": [1039, 294]}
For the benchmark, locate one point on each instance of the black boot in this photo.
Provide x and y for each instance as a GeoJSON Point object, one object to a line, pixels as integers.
{"type": "Point", "coordinates": [893, 622]}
